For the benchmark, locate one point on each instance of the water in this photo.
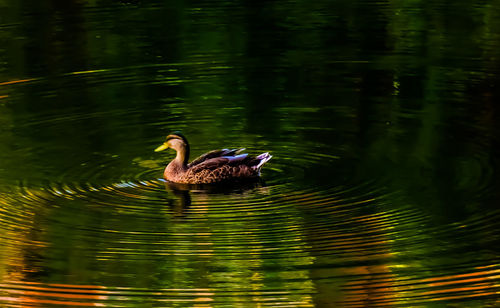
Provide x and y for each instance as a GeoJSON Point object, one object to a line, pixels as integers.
{"type": "Point", "coordinates": [381, 117]}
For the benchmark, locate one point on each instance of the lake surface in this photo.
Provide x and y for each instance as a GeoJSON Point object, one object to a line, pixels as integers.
{"type": "Point", "coordinates": [382, 119]}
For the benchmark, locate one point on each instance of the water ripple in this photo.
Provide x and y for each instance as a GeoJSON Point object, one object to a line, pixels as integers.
{"type": "Point", "coordinates": [319, 223]}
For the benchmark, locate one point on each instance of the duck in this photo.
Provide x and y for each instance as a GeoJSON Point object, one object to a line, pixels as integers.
{"type": "Point", "coordinates": [217, 166]}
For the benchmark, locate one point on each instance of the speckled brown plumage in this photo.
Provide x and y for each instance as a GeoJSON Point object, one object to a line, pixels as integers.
{"type": "Point", "coordinates": [212, 167]}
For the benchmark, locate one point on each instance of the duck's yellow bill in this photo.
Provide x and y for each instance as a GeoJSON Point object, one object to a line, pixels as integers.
{"type": "Point", "coordinates": [162, 147]}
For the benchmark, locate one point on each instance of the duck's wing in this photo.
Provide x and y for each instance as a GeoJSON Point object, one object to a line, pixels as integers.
{"type": "Point", "coordinates": [217, 162]}
{"type": "Point", "coordinates": [222, 168]}
{"type": "Point", "coordinates": [215, 154]}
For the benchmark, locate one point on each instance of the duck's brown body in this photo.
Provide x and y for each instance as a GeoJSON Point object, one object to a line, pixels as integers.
{"type": "Point", "coordinates": [212, 167]}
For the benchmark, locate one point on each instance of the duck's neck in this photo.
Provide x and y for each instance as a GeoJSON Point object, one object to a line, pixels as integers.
{"type": "Point", "coordinates": [182, 157]}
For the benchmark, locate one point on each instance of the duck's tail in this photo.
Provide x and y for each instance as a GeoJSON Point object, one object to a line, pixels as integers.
{"type": "Point", "coordinates": [263, 158]}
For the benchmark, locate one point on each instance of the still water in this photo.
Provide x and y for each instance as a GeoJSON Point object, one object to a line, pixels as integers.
{"type": "Point", "coordinates": [381, 117]}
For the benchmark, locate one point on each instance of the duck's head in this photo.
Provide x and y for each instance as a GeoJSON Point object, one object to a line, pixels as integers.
{"type": "Point", "coordinates": [176, 141]}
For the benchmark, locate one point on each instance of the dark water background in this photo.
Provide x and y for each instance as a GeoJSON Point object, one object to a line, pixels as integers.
{"type": "Point", "coordinates": [382, 118]}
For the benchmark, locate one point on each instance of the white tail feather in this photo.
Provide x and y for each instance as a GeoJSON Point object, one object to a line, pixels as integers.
{"type": "Point", "coordinates": [264, 158]}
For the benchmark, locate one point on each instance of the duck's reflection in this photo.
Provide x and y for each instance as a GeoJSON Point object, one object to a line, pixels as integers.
{"type": "Point", "coordinates": [182, 199]}
{"type": "Point", "coordinates": [182, 192]}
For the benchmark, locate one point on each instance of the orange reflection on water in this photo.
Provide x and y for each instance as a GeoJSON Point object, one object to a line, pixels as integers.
{"type": "Point", "coordinates": [485, 285]}
{"type": "Point", "coordinates": [5, 83]}
{"type": "Point", "coordinates": [482, 283]}
{"type": "Point", "coordinates": [453, 279]}
{"type": "Point", "coordinates": [37, 294]}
